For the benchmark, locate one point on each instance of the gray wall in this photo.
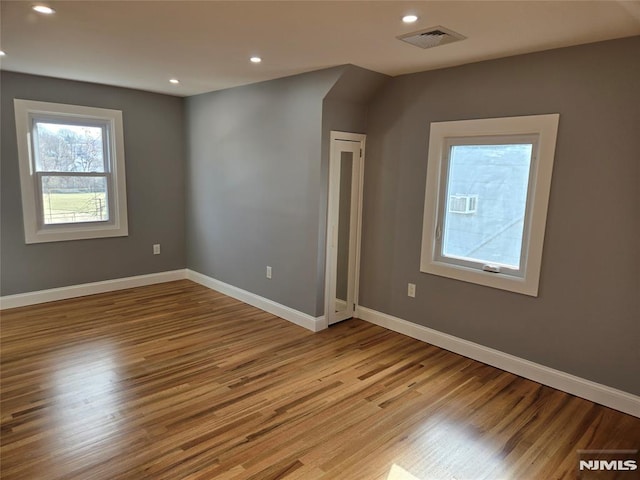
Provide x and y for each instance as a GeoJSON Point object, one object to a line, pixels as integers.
{"type": "Point", "coordinates": [344, 109]}
{"type": "Point", "coordinates": [256, 172]}
{"type": "Point", "coordinates": [154, 155]}
{"type": "Point", "coordinates": [254, 186]}
{"type": "Point", "coordinates": [586, 320]}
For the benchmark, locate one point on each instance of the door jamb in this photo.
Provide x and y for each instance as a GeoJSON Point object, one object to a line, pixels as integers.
{"type": "Point", "coordinates": [352, 137]}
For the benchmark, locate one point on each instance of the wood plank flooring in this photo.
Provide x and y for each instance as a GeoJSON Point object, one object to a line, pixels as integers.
{"type": "Point", "coordinates": [175, 381]}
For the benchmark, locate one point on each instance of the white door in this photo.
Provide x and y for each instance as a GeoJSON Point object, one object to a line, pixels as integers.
{"type": "Point", "coordinates": [343, 228]}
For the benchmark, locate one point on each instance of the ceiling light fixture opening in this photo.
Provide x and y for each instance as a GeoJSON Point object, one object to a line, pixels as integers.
{"type": "Point", "coordinates": [175, 81]}
{"type": "Point", "coordinates": [410, 18]}
{"type": "Point", "coordinates": [43, 9]}
{"type": "Point", "coordinates": [255, 59]}
{"type": "Point", "coordinates": [2, 54]}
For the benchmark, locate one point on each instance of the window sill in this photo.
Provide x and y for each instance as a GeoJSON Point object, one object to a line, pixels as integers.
{"type": "Point", "coordinates": [479, 277]}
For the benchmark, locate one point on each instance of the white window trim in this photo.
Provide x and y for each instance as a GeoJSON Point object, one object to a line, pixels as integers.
{"type": "Point", "coordinates": [545, 126]}
{"type": "Point", "coordinates": [25, 111]}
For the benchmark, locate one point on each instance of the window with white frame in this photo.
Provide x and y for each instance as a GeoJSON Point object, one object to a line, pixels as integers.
{"type": "Point", "coordinates": [488, 184]}
{"type": "Point", "coordinates": [72, 174]}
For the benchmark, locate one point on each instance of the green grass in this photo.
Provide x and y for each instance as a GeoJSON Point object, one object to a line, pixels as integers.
{"type": "Point", "coordinates": [74, 202]}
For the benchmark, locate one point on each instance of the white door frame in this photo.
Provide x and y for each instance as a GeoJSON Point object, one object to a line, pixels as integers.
{"type": "Point", "coordinates": [332, 218]}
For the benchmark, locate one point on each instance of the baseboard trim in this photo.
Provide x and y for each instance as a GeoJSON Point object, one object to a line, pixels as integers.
{"type": "Point", "coordinates": [73, 291]}
{"type": "Point", "coordinates": [301, 319]}
{"type": "Point", "coordinates": [598, 393]}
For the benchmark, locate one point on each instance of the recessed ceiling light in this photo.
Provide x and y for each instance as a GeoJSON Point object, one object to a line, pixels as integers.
{"type": "Point", "coordinates": [2, 54]}
{"type": "Point", "coordinates": [175, 81]}
{"type": "Point", "coordinates": [410, 18]}
{"type": "Point", "coordinates": [43, 9]}
{"type": "Point", "coordinates": [255, 59]}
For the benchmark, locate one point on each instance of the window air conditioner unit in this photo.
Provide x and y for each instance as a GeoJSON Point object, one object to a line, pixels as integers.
{"type": "Point", "coordinates": [465, 204]}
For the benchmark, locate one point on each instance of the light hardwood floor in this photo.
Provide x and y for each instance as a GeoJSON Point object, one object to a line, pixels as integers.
{"type": "Point", "coordinates": [175, 381]}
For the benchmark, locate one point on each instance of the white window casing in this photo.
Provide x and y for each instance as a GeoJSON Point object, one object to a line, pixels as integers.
{"type": "Point", "coordinates": [540, 131]}
{"type": "Point", "coordinates": [28, 114]}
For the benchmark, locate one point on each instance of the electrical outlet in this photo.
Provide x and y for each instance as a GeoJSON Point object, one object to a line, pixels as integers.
{"type": "Point", "coordinates": [411, 290]}
{"type": "Point", "coordinates": [156, 249]}
{"type": "Point", "coordinates": [268, 272]}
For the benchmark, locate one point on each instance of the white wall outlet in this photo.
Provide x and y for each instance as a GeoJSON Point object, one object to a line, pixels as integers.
{"type": "Point", "coordinates": [156, 249]}
{"type": "Point", "coordinates": [268, 272]}
{"type": "Point", "coordinates": [411, 290]}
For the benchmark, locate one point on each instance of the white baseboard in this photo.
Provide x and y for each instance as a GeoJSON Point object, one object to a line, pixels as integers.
{"type": "Point", "coordinates": [314, 324]}
{"type": "Point", "coordinates": [607, 396]}
{"type": "Point", "coordinates": [73, 291]}
{"type": "Point", "coordinates": [602, 394]}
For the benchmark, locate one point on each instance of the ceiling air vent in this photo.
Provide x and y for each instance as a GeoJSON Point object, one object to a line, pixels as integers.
{"type": "Point", "coordinates": [431, 37]}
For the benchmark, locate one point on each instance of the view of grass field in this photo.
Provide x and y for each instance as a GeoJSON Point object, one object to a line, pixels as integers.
{"type": "Point", "coordinates": [74, 207]}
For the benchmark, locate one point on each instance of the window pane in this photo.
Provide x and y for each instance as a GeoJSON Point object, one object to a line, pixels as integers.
{"type": "Point", "coordinates": [69, 148]}
{"type": "Point", "coordinates": [486, 202]}
{"type": "Point", "coordinates": [69, 199]}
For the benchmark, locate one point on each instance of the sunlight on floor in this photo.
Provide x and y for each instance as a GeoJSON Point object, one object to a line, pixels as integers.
{"type": "Point", "coordinates": [86, 394]}
{"type": "Point", "coordinates": [461, 451]}
{"type": "Point", "coordinates": [399, 473]}
{"type": "Point", "coordinates": [445, 449]}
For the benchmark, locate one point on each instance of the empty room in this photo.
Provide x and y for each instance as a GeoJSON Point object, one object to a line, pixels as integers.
{"type": "Point", "coordinates": [341, 240]}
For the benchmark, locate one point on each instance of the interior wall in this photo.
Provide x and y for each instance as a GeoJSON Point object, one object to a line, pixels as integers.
{"type": "Point", "coordinates": [585, 319]}
{"type": "Point", "coordinates": [256, 172]}
{"type": "Point", "coordinates": [344, 109]}
{"type": "Point", "coordinates": [154, 155]}
{"type": "Point", "coordinates": [253, 173]}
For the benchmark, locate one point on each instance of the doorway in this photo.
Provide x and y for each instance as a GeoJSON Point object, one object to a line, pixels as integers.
{"type": "Point", "coordinates": [346, 175]}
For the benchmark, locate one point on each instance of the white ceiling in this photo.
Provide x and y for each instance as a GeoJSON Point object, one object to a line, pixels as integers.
{"type": "Point", "coordinates": [207, 44]}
